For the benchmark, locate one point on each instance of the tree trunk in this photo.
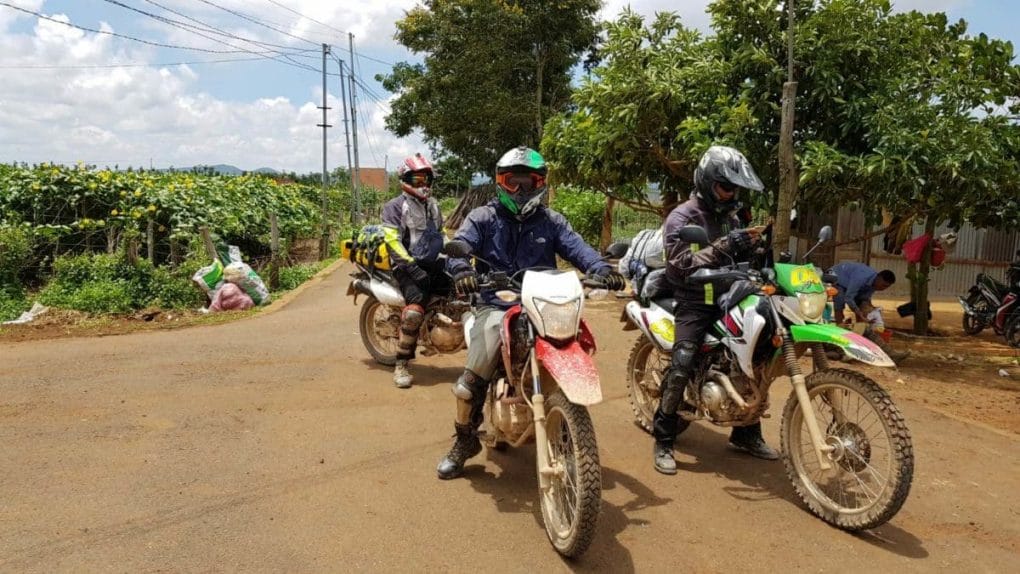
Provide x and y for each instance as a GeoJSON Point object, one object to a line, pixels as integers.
{"type": "Point", "coordinates": [670, 198]}
{"type": "Point", "coordinates": [607, 225]}
{"type": "Point", "coordinates": [921, 302]}
{"type": "Point", "coordinates": [787, 173]}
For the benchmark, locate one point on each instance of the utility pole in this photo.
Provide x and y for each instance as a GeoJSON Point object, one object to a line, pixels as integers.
{"type": "Point", "coordinates": [354, 125]}
{"type": "Point", "coordinates": [347, 134]}
{"type": "Point", "coordinates": [324, 240]}
{"type": "Point", "coordinates": [787, 164]}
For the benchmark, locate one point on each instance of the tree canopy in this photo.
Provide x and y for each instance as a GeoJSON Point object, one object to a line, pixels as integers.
{"type": "Point", "coordinates": [493, 72]}
{"type": "Point", "coordinates": [902, 111]}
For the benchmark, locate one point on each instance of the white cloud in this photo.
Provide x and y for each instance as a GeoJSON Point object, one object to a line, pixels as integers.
{"type": "Point", "coordinates": [126, 116]}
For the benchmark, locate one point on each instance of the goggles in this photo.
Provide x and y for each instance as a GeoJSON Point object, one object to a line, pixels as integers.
{"type": "Point", "coordinates": [419, 178]}
{"type": "Point", "coordinates": [520, 181]}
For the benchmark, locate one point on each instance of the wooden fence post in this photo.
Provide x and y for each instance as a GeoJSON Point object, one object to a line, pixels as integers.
{"type": "Point", "coordinates": [150, 235]}
{"type": "Point", "coordinates": [274, 247]}
{"type": "Point", "coordinates": [210, 249]}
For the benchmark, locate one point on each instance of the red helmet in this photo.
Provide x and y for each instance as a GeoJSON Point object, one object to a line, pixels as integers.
{"type": "Point", "coordinates": [416, 176]}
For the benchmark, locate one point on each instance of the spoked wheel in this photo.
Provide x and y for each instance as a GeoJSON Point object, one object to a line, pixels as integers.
{"type": "Point", "coordinates": [645, 369]}
{"type": "Point", "coordinates": [971, 324]}
{"type": "Point", "coordinates": [380, 327]}
{"type": "Point", "coordinates": [872, 458]}
{"type": "Point", "coordinates": [571, 505]}
{"type": "Point", "coordinates": [1012, 332]}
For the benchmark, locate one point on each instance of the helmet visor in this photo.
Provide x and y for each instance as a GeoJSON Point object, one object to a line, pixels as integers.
{"type": "Point", "coordinates": [419, 178]}
{"type": "Point", "coordinates": [523, 182]}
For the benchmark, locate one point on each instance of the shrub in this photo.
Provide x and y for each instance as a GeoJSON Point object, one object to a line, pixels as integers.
{"type": "Point", "coordinates": [583, 209]}
{"type": "Point", "coordinates": [12, 302]}
{"type": "Point", "coordinates": [291, 277]}
{"type": "Point", "coordinates": [15, 250]}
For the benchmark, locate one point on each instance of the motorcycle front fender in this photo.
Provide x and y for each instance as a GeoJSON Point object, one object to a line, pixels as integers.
{"type": "Point", "coordinates": [855, 346]}
{"type": "Point", "coordinates": [573, 369]}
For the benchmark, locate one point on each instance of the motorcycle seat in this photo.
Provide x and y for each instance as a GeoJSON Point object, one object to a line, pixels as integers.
{"type": "Point", "coordinates": [667, 303]}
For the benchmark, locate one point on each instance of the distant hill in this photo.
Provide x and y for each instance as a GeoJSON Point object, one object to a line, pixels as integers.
{"type": "Point", "coordinates": [225, 169]}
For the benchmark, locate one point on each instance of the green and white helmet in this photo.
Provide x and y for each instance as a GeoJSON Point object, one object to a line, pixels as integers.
{"type": "Point", "coordinates": [520, 175]}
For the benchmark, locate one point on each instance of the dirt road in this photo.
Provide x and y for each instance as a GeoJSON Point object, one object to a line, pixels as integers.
{"type": "Point", "coordinates": [273, 444]}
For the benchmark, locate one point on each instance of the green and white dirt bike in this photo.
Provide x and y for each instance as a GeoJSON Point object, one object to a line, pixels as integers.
{"type": "Point", "coordinates": [844, 443]}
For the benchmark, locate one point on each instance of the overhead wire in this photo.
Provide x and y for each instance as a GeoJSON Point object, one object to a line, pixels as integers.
{"type": "Point", "coordinates": [257, 21]}
{"type": "Point", "coordinates": [309, 18]}
{"type": "Point", "coordinates": [274, 55]}
{"type": "Point", "coordinates": [124, 36]}
{"type": "Point", "coordinates": [127, 65]}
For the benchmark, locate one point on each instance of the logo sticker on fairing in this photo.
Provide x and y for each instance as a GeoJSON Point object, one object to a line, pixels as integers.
{"type": "Point", "coordinates": [664, 328]}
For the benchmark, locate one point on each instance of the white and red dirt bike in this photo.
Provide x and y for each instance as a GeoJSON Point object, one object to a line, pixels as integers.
{"type": "Point", "coordinates": [545, 382]}
{"type": "Point", "coordinates": [845, 445]}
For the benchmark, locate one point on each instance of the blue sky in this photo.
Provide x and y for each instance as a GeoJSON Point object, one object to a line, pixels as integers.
{"type": "Point", "coordinates": [252, 113]}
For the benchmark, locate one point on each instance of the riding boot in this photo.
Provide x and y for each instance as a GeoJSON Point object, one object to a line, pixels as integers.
{"type": "Point", "coordinates": [748, 439]}
{"type": "Point", "coordinates": [470, 391]}
{"type": "Point", "coordinates": [667, 424]}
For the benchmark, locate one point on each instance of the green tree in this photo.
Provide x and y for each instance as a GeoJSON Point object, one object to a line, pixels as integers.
{"type": "Point", "coordinates": [454, 177]}
{"type": "Point", "coordinates": [493, 72]}
{"type": "Point", "coordinates": [898, 111]}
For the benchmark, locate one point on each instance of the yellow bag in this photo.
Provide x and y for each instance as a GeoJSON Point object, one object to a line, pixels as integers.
{"type": "Point", "coordinates": [367, 248]}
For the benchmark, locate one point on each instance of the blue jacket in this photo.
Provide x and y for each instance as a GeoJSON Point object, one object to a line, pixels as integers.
{"type": "Point", "coordinates": [510, 245]}
{"type": "Point", "coordinates": [856, 284]}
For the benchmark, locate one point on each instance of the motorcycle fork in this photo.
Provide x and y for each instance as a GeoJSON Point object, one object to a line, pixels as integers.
{"type": "Point", "coordinates": [545, 469]}
{"type": "Point", "coordinates": [800, 388]}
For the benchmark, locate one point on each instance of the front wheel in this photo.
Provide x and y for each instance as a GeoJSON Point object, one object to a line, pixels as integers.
{"type": "Point", "coordinates": [380, 328]}
{"type": "Point", "coordinates": [1012, 331]}
{"type": "Point", "coordinates": [646, 368]}
{"type": "Point", "coordinates": [571, 505]}
{"type": "Point", "coordinates": [872, 461]}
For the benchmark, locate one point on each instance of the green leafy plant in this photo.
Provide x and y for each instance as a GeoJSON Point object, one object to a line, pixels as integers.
{"type": "Point", "coordinates": [583, 209]}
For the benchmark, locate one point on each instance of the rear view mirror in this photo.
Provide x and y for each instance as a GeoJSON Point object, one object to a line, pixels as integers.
{"type": "Point", "coordinates": [825, 234]}
{"type": "Point", "coordinates": [694, 234]}
{"type": "Point", "coordinates": [457, 248]}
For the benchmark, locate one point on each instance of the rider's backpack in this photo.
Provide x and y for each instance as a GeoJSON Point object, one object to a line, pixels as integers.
{"type": "Point", "coordinates": [645, 250]}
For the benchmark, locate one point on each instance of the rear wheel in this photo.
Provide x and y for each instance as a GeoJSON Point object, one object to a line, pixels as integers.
{"type": "Point", "coordinates": [380, 328]}
{"type": "Point", "coordinates": [872, 461]}
{"type": "Point", "coordinates": [571, 505]}
{"type": "Point", "coordinates": [646, 368]}
{"type": "Point", "coordinates": [971, 324]}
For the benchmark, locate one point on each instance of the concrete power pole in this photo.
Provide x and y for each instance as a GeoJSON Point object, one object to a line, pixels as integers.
{"type": "Point", "coordinates": [354, 126]}
{"type": "Point", "coordinates": [324, 240]}
{"type": "Point", "coordinates": [347, 133]}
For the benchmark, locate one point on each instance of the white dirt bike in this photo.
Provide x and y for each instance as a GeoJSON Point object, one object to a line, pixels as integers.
{"type": "Point", "coordinates": [545, 382]}
{"type": "Point", "coordinates": [844, 443]}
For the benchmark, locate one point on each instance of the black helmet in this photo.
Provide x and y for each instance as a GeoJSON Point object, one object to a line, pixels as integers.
{"type": "Point", "coordinates": [520, 175]}
{"type": "Point", "coordinates": [729, 168]}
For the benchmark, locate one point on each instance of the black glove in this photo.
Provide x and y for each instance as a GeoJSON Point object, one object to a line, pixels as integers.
{"type": "Point", "coordinates": [416, 273]}
{"type": "Point", "coordinates": [740, 242]}
{"type": "Point", "coordinates": [466, 282]}
{"type": "Point", "coordinates": [613, 280]}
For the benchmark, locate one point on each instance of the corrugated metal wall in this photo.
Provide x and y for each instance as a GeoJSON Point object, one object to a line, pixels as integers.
{"type": "Point", "coordinates": [977, 251]}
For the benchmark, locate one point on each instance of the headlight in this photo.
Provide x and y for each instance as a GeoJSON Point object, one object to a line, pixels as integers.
{"type": "Point", "coordinates": [559, 320]}
{"type": "Point", "coordinates": [812, 305]}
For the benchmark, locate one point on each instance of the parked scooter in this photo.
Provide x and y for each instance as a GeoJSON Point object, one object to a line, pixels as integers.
{"type": "Point", "coordinates": [845, 445]}
{"type": "Point", "coordinates": [990, 303]}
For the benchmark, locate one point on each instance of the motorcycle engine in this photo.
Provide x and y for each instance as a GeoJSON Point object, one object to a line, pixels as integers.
{"type": "Point", "coordinates": [510, 414]}
{"type": "Point", "coordinates": [716, 404]}
{"type": "Point", "coordinates": [445, 332]}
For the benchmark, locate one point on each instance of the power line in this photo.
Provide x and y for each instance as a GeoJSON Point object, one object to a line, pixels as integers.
{"type": "Point", "coordinates": [132, 65]}
{"type": "Point", "coordinates": [216, 30]}
{"type": "Point", "coordinates": [126, 37]}
{"type": "Point", "coordinates": [211, 29]}
{"type": "Point", "coordinates": [309, 18]}
{"type": "Point", "coordinates": [256, 21]}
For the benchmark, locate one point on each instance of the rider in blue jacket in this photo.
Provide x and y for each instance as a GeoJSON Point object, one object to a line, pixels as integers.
{"type": "Point", "coordinates": [513, 233]}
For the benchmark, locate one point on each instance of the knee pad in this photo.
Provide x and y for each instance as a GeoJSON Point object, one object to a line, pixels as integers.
{"type": "Point", "coordinates": [685, 355]}
{"type": "Point", "coordinates": [470, 387]}
{"type": "Point", "coordinates": [411, 318]}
